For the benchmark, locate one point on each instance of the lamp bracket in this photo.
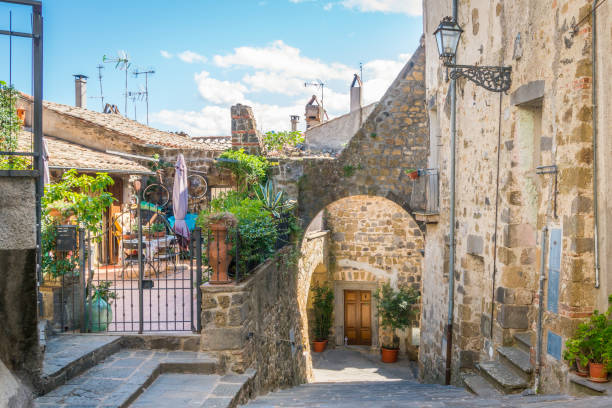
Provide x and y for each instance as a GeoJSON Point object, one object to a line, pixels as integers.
{"type": "Point", "coordinates": [492, 78]}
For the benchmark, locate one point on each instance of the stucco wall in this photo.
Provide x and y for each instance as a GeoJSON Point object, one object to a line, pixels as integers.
{"type": "Point", "coordinates": [333, 135]}
{"type": "Point", "coordinates": [544, 119]}
{"type": "Point", "coordinates": [19, 349]}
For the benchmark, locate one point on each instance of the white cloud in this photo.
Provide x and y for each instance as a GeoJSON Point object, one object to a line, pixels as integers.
{"type": "Point", "coordinates": [410, 7]}
{"type": "Point", "coordinates": [165, 54]}
{"type": "Point", "coordinates": [280, 57]}
{"type": "Point", "coordinates": [217, 91]}
{"type": "Point", "coordinates": [282, 70]}
{"type": "Point", "coordinates": [262, 81]}
{"type": "Point", "coordinates": [191, 57]}
{"type": "Point", "coordinates": [211, 120]}
{"type": "Point", "coordinates": [328, 6]}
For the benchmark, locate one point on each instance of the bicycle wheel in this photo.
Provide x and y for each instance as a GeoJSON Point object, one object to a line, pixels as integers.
{"type": "Point", "coordinates": [156, 194]}
{"type": "Point", "coordinates": [196, 186]}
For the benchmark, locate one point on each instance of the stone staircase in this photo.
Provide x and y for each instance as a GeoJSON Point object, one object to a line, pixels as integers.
{"type": "Point", "coordinates": [511, 373]}
{"type": "Point", "coordinates": [107, 371]}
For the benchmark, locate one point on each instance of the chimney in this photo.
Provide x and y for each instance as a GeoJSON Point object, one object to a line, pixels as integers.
{"type": "Point", "coordinates": [294, 121]}
{"type": "Point", "coordinates": [314, 113]}
{"type": "Point", "coordinates": [80, 91]}
{"type": "Point", "coordinates": [356, 93]}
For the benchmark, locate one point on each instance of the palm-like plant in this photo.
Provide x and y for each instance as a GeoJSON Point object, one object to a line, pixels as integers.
{"type": "Point", "coordinates": [274, 201]}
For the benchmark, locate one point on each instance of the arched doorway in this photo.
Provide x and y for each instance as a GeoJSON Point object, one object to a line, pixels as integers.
{"type": "Point", "coordinates": [354, 245]}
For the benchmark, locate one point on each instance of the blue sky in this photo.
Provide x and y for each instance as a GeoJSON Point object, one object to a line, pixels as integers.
{"type": "Point", "coordinates": [210, 54]}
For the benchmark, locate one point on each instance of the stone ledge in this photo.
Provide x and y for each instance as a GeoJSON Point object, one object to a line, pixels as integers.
{"type": "Point", "coordinates": [19, 173]}
{"type": "Point", "coordinates": [315, 235]}
{"type": "Point", "coordinates": [428, 218]}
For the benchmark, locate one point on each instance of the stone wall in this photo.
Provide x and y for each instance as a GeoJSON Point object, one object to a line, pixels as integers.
{"type": "Point", "coordinates": [19, 349]}
{"type": "Point", "coordinates": [393, 139]}
{"type": "Point", "coordinates": [244, 130]}
{"type": "Point", "coordinates": [257, 324]}
{"type": "Point", "coordinates": [502, 205]}
{"type": "Point", "coordinates": [373, 241]}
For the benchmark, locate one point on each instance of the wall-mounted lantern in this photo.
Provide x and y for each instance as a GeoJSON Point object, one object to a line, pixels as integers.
{"type": "Point", "coordinates": [492, 78]}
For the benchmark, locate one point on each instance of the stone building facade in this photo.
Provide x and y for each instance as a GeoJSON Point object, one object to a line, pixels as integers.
{"type": "Point", "coordinates": [371, 241]}
{"type": "Point", "coordinates": [507, 212]}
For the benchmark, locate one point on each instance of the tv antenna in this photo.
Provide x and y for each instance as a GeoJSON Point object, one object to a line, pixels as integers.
{"type": "Point", "coordinates": [100, 67]}
{"type": "Point", "coordinates": [122, 62]}
{"type": "Point", "coordinates": [136, 96]}
{"type": "Point", "coordinates": [146, 74]}
{"type": "Point", "coordinates": [317, 85]}
{"type": "Point", "coordinates": [361, 71]}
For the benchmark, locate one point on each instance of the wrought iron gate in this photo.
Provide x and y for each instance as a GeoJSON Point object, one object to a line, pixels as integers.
{"type": "Point", "coordinates": [141, 276]}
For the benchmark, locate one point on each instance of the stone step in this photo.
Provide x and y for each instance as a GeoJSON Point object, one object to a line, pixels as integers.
{"type": "Point", "coordinates": [197, 390]}
{"type": "Point", "coordinates": [523, 341]}
{"type": "Point", "coordinates": [121, 377]}
{"type": "Point", "coordinates": [581, 386]}
{"type": "Point", "coordinates": [517, 358]}
{"type": "Point", "coordinates": [68, 355]}
{"type": "Point", "coordinates": [479, 386]}
{"type": "Point", "coordinates": [502, 377]}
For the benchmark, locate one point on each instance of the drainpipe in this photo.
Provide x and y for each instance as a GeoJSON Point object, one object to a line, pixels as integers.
{"type": "Point", "coordinates": [451, 261]}
{"type": "Point", "coordinates": [594, 89]}
{"type": "Point", "coordinates": [540, 311]}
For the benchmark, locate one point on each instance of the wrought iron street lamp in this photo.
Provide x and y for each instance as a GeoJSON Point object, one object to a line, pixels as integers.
{"type": "Point", "coordinates": [492, 78]}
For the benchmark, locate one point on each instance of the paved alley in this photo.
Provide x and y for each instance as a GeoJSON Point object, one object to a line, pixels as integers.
{"type": "Point", "coordinates": [350, 378]}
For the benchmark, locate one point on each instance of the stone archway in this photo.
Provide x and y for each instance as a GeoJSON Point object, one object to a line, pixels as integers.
{"type": "Point", "coordinates": [359, 243]}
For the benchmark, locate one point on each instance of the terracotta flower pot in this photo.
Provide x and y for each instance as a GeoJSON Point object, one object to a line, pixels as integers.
{"type": "Point", "coordinates": [219, 255]}
{"type": "Point", "coordinates": [597, 372]}
{"type": "Point", "coordinates": [389, 355]}
{"type": "Point", "coordinates": [21, 113]}
{"type": "Point", "coordinates": [414, 175]}
{"type": "Point", "coordinates": [581, 370]}
{"type": "Point", "coordinates": [319, 346]}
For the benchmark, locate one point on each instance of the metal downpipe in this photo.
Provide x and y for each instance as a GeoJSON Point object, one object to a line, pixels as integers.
{"type": "Point", "coordinates": [594, 96]}
{"type": "Point", "coordinates": [538, 358]}
{"type": "Point", "coordinates": [451, 260]}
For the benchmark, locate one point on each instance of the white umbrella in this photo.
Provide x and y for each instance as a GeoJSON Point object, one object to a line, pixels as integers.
{"type": "Point", "coordinates": [180, 197]}
{"type": "Point", "coordinates": [45, 154]}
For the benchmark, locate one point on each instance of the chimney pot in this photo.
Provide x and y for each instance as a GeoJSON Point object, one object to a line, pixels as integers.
{"type": "Point", "coordinates": [80, 91]}
{"type": "Point", "coordinates": [294, 121]}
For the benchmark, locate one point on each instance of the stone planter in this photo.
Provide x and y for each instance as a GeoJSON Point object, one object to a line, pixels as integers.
{"type": "Point", "coordinates": [61, 302]}
{"type": "Point", "coordinates": [219, 255]}
{"type": "Point", "coordinates": [597, 372]}
{"type": "Point", "coordinates": [388, 355]}
{"type": "Point", "coordinates": [319, 346]}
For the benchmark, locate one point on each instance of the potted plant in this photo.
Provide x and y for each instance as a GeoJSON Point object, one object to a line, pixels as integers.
{"type": "Point", "coordinates": [413, 173]}
{"type": "Point", "coordinates": [99, 310]}
{"type": "Point", "coordinates": [219, 244]}
{"type": "Point", "coordinates": [576, 352]}
{"type": "Point", "coordinates": [396, 309]}
{"type": "Point", "coordinates": [592, 342]}
{"type": "Point", "coordinates": [323, 303]}
{"type": "Point", "coordinates": [157, 230]}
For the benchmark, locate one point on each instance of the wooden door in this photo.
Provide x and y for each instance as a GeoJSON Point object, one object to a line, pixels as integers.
{"type": "Point", "coordinates": [358, 316]}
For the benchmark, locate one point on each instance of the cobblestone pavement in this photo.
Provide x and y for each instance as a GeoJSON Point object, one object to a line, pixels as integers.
{"type": "Point", "coordinates": [348, 379]}
{"type": "Point", "coordinates": [122, 376]}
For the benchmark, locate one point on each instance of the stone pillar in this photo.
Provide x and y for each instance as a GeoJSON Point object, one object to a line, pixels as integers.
{"type": "Point", "coordinates": [244, 130]}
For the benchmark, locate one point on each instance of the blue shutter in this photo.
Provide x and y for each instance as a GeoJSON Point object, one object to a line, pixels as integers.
{"type": "Point", "coordinates": [553, 345]}
{"type": "Point", "coordinates": [554, 268]}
